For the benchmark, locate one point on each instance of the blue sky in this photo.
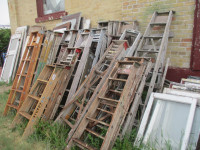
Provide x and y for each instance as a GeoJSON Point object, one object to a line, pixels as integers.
{"type": "Point", "coordinates": [4, 14]}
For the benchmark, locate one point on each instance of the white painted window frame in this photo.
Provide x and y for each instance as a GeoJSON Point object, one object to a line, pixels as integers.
{"type": "Point", "coordinates": [172, 98]}
{"type": "Point", "coordinates": [10, 53]}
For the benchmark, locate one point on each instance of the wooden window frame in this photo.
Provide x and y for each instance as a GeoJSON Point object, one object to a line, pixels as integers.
{"type": "Point", "coordinates": [42, 17]}
{"type": "Point", "coordinates": [174, 98]}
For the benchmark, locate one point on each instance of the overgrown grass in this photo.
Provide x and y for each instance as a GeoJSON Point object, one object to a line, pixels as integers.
{"type": "Point", "coordinates": [53, 134]}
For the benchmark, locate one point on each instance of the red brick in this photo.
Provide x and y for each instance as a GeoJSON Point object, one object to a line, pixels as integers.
{"type": "Point", "coordinates": [186, 40]}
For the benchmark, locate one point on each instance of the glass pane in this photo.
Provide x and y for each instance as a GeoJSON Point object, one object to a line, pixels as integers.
{"type": "Point", "coordinates": [52, 6]}
{"type": "Point", "coordinates": [13, 44]}
{"type": "Point", "coordinates": [194, 135]}
{"type": "Point", "coordinates": [167, 125]}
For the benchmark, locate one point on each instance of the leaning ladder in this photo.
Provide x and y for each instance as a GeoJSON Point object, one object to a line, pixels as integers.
{"type": "Point", "coordinates": [73, 109]}
{"type": "Point", "coordinates": [38, 97]}
{"type": "Point", "coordinates": [153, 45]}
{"type": "Point", "coordinates": [107, 112]}
{"type": "Point", "coordinates": [25, 72]}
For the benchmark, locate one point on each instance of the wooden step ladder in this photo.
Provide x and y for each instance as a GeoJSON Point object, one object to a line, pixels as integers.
{"type": "Point", "coordinates": [38, 97]}
{"type": "Point", "coordinates": [25, 72]}
{"type": "Point", "coordinates": [153, 45]}
{"type": "Point", "coordinates": [105, 116]}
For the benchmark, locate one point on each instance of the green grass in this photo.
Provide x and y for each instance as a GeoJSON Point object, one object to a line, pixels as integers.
{"type": "Point", "coordinates": [48, 135]}
{"type": "Point", "coordinates": [11, 139]}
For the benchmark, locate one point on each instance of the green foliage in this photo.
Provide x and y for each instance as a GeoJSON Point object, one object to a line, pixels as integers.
{"type": "Point", "coordinates": [53, 134]}
{"type": "Point", "coordinates": [4, 38]}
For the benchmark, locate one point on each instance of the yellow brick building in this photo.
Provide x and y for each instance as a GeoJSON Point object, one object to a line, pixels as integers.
{"type": "Point", "coordinates": [25, 12]}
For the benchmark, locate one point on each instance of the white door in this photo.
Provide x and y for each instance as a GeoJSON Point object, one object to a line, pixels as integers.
{"type": "Point", "coordinates": [10, 57]}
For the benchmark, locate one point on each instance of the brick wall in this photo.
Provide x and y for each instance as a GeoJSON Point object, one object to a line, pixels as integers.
{"type": "Point", "coordinates": [24, 12]}
{"type": "Point", "coordinates": [179, 48]}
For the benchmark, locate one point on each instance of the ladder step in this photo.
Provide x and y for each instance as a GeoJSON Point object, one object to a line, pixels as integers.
{"type": "Point", "coordinates": [19, 91]}
{"type": "Point", "coordinates": [34, 97]}
{"type": "Point", "coordinates": [109, 57]}
{"type": "Point", "coordinates": [30, 45]}
{"type": "Point", "coordinates": [24, 75]}
{"type": "Point", "coordinates": [158, 23]}
{"type": "Point", "coordinates": [148, 51]}
{"type": "Point", "coordinates": [13, 106]}
{"type": "Point", "coordinates": [98, 121]}
{"type": "Point", "coordinates": [103, 110]}
{"type": "Point", "coordinates": [67, 122]}
{"type": "Point", "coordinates": [154, 37]}
{"type": "Point", "coordinates": [109, 104]}
{"type": "Point", "coordinates": [44, 81]}
{"type": "Point", "coordinates": [77, 104]}
{"type": "Point", "coordinates": [92, 89]}
{"type": "Point", "coordinates": [115, 91]}
{"type": "Point", "coordinates": [126, 62]}
{"type": "Point", "coordinates": [108, 99]}
{"type": "Point", "coordinates": [94, 133]}
{"type": "Point", "coordinates": [25, 114]}
{"type": "Point", "coordinates": [98, 72]}
{"type": "Point", "coordinates": [116, 79]}
{"type": "Point", "coordinates": [81, 144]}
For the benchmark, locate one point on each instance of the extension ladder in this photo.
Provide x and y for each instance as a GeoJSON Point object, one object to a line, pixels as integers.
{"type": "Point", "coordinates": [38, 97]}
{"type": "Point", "coordinates": [105, 116]}
{"type": "Point", "coordinates": [25, 72]}
{"type": "Point", "coordinates": [153, 45]}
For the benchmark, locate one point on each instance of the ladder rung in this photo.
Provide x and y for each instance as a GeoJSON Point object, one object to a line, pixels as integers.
{"type": "Point", "coordinates": [30, 45]}
{"type": "Point", "coordinates": [22, 75]}
{"type": "Point", "coordinates": [25, 114]}
{"type": "Point", "coordinates": [154, 37]}
{"type": "Point", "coordinates": [77, 104]}
{"type": "Point", "coordinates": [98, 72]}
{"type": "Point", "coordinates": [20, 91]}
{"type": "Point", "coordinates": [148, 51]}
{"type": "Point", "coordinates": [67, 122]}
{"type": "Point", "coordinates": [98, 121]}
{"type": "Point", "coordinates": [13, 106]}
{"type": "Point", "coordinates": [109, 57]}
{"type": "Point", "coordinates": [94, 133]}
{"type": "Point", "coordinates": [117, 92]}
{"type": "Point", "coordinates": [126, 62]}
{"type": "Point", "coordinates": [116, 79]}
{"type": "Point", "coordinates": [158, 23]}
{"type": "Point", "coordinates": [109, 104]}
{"type": "Point", "coordinates": [45, 81]}
{"type": "Point", "coordinates": [26, 59]}
{"type": "Point", "coordinates": [92, 89]}
{"type": "Point", "coordinates": [82, 144]}
{"type": "Point", "coordinates": [108, 99]}
{"type": "Point", "coordinates": [34, 97]}
{"type": "Point", "coordinates": [105, 111]}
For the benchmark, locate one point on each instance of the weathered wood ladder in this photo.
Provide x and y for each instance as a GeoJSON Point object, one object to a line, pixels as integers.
{"type": "Point", "coordinates": [25, 72]}
{"type": "Point", "coordinates": [37, 99]}
{"type": "Point", "coordinates": [74, 107]}
{"type": "Point", "coordinates": [89, 88]}
{"type": "Point", "coordinates": [107, 112]}
{"type": "Point", "coordinates": [153, 45]}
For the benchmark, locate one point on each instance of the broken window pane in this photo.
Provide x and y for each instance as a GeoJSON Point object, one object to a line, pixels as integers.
{"type": "Point", "coordinates": [52, 6]}
{"type": "Point", "coordinates": [167, 124]}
